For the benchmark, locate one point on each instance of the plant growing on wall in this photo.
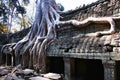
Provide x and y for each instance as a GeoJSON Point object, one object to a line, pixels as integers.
{"type": "Point", "coordinates": [40, 34]}
{"type": "Point", "coordinates": [47, 17]}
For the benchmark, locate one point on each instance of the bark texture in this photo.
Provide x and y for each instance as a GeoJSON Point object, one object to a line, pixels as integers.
{"type": "Point", "coordinates": [30, 51]}
{"type": "Point", "coordinates": [33, 45]}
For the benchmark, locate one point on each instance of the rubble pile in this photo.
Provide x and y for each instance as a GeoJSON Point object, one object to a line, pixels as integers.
{"type": "Point", "coordinates": [17, 73]}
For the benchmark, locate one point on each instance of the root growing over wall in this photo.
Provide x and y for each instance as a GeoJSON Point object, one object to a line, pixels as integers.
{"type": "Point", "coordinates": [30, 51]}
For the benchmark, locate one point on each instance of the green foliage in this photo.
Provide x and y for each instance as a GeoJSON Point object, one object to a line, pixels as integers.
{"type": "Point", "coordinates": [11, 9]}
{"type": "Point", "coordinates": [60, 6]}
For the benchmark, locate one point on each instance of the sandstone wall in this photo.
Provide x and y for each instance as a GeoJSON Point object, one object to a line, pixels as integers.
{"type": "Point", "coordinates": [98, 9]}
{"type": "Point", "coordinates": [101, 8]}
{"type": "Point", "coordinates": [72, 41]}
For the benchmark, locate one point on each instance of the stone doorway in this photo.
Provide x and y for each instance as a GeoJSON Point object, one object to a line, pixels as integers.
{"type": "Point", "coordinates": [55, 65]}
{"type": "Point", "coordinates": [117, 70]}
{"type": "Point", "coordinates": [85, 69]}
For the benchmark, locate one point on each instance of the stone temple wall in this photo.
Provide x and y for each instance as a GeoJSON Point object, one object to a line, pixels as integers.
{"type": "Point", "coordinates": [97, 9]}
{"type": "Point", "coordinates": [69, 33]}
{"type": "Point", "coordinates": [101, 8]}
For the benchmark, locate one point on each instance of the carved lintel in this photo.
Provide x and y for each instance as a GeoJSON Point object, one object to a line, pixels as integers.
{"type": "Point", "coordinates": [108, 62]}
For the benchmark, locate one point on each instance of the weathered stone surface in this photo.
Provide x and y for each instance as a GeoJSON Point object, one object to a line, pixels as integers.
{"type": "Point", "coordinates": [13, 77]}
{"type": "Point", "coordinates": [74, 42]}
{"type": "Point", "coordinates": [38, 78]}
{"type": "Point", "coordinates": [86, 46]}
{"type": "Point", "coordinates": [78, 42]}
{"type": "Point", "coordinates": [17, 73]}
{"type": "Point", "coordinates": [4, 72]}
{"type": "Point", "coordinates": [28, 71]}
{"type": "Point", "coordinates": [53, 76]}
{"type": "Point", "coordinates": [109, 70]}
{"type": "Point", "coordinates": [97, 9]}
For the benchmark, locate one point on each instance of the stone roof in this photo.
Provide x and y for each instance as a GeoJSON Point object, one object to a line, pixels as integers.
{"type": "Point", "coordinates": [85, 46]}
{"type": "Point", "coordinates": [99, 8]}
{"type": "Point", "coordinates": [83, 7]}
{"type": "Point", "coordinates": [73, 42]}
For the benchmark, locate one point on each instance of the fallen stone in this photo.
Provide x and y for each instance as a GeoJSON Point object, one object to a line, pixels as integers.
{"type": "Point", "coordinates": [4, 72]}
{"type": "Point", "coordinates": [28, 71]}
{"type": "Point", "coordinates": [38, 78]}
{"type": "Point", "coordinates": [12, 77]}
{"type": "Point", "coordinates": [8, 78]}
{"type": "Point", "coordinates": [54, 76]}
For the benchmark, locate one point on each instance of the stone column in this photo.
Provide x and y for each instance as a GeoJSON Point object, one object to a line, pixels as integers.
{"type": "Point", "coordinates": [109, 70]}
{"type": "Point", "coordinates": [67, 70]}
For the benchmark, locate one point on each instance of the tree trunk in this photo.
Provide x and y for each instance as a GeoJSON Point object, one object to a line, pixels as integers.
{"type": "Point", "coordinates": [41, 33]}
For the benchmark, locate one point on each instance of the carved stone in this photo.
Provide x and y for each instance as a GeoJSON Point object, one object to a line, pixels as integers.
{"type": "Point", "coordinates": [67, 69]}
{"type": "Point", "coordinates": [109, 70]}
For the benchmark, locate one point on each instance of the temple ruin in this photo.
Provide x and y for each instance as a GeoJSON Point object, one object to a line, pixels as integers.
{"type": "Point", "coordinates": [76, 53]}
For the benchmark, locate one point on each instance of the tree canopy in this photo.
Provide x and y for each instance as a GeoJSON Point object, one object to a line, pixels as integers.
{"type": "Point", "coordinates": [11, 10]}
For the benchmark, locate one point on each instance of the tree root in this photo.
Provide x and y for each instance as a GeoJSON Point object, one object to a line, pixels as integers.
{"type": "Point", "coordinates": [42, 32]}
{"type": "Point", "coordinates": [90, 20]}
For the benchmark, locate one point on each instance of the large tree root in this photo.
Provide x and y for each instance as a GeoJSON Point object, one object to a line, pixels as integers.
{"type": "Point", "coordinates": [90, 20]}
{"type": "Point", "coordinates": [30, 51]}
{"type": "Point", "coordinates": [41, 33]}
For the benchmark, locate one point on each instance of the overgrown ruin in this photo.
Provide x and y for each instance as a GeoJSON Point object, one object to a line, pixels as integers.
{"type": "Point", "coordinates": [76, 52]}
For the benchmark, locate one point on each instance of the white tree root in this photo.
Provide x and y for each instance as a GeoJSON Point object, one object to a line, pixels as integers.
{"type": "Point", "coordinates": [42, 32]}
{"type": "Point", "coordinates": [90, 20]}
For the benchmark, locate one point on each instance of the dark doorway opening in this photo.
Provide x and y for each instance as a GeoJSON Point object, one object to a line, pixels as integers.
{"type": "Point", "coordinates": [55, 65]}
{"type": "Point", "coordinates": [6, 59]}
{"type": "Point", "coordinates": [117, 69]}
{"type": "Point", "coordinates": [85, 69]}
